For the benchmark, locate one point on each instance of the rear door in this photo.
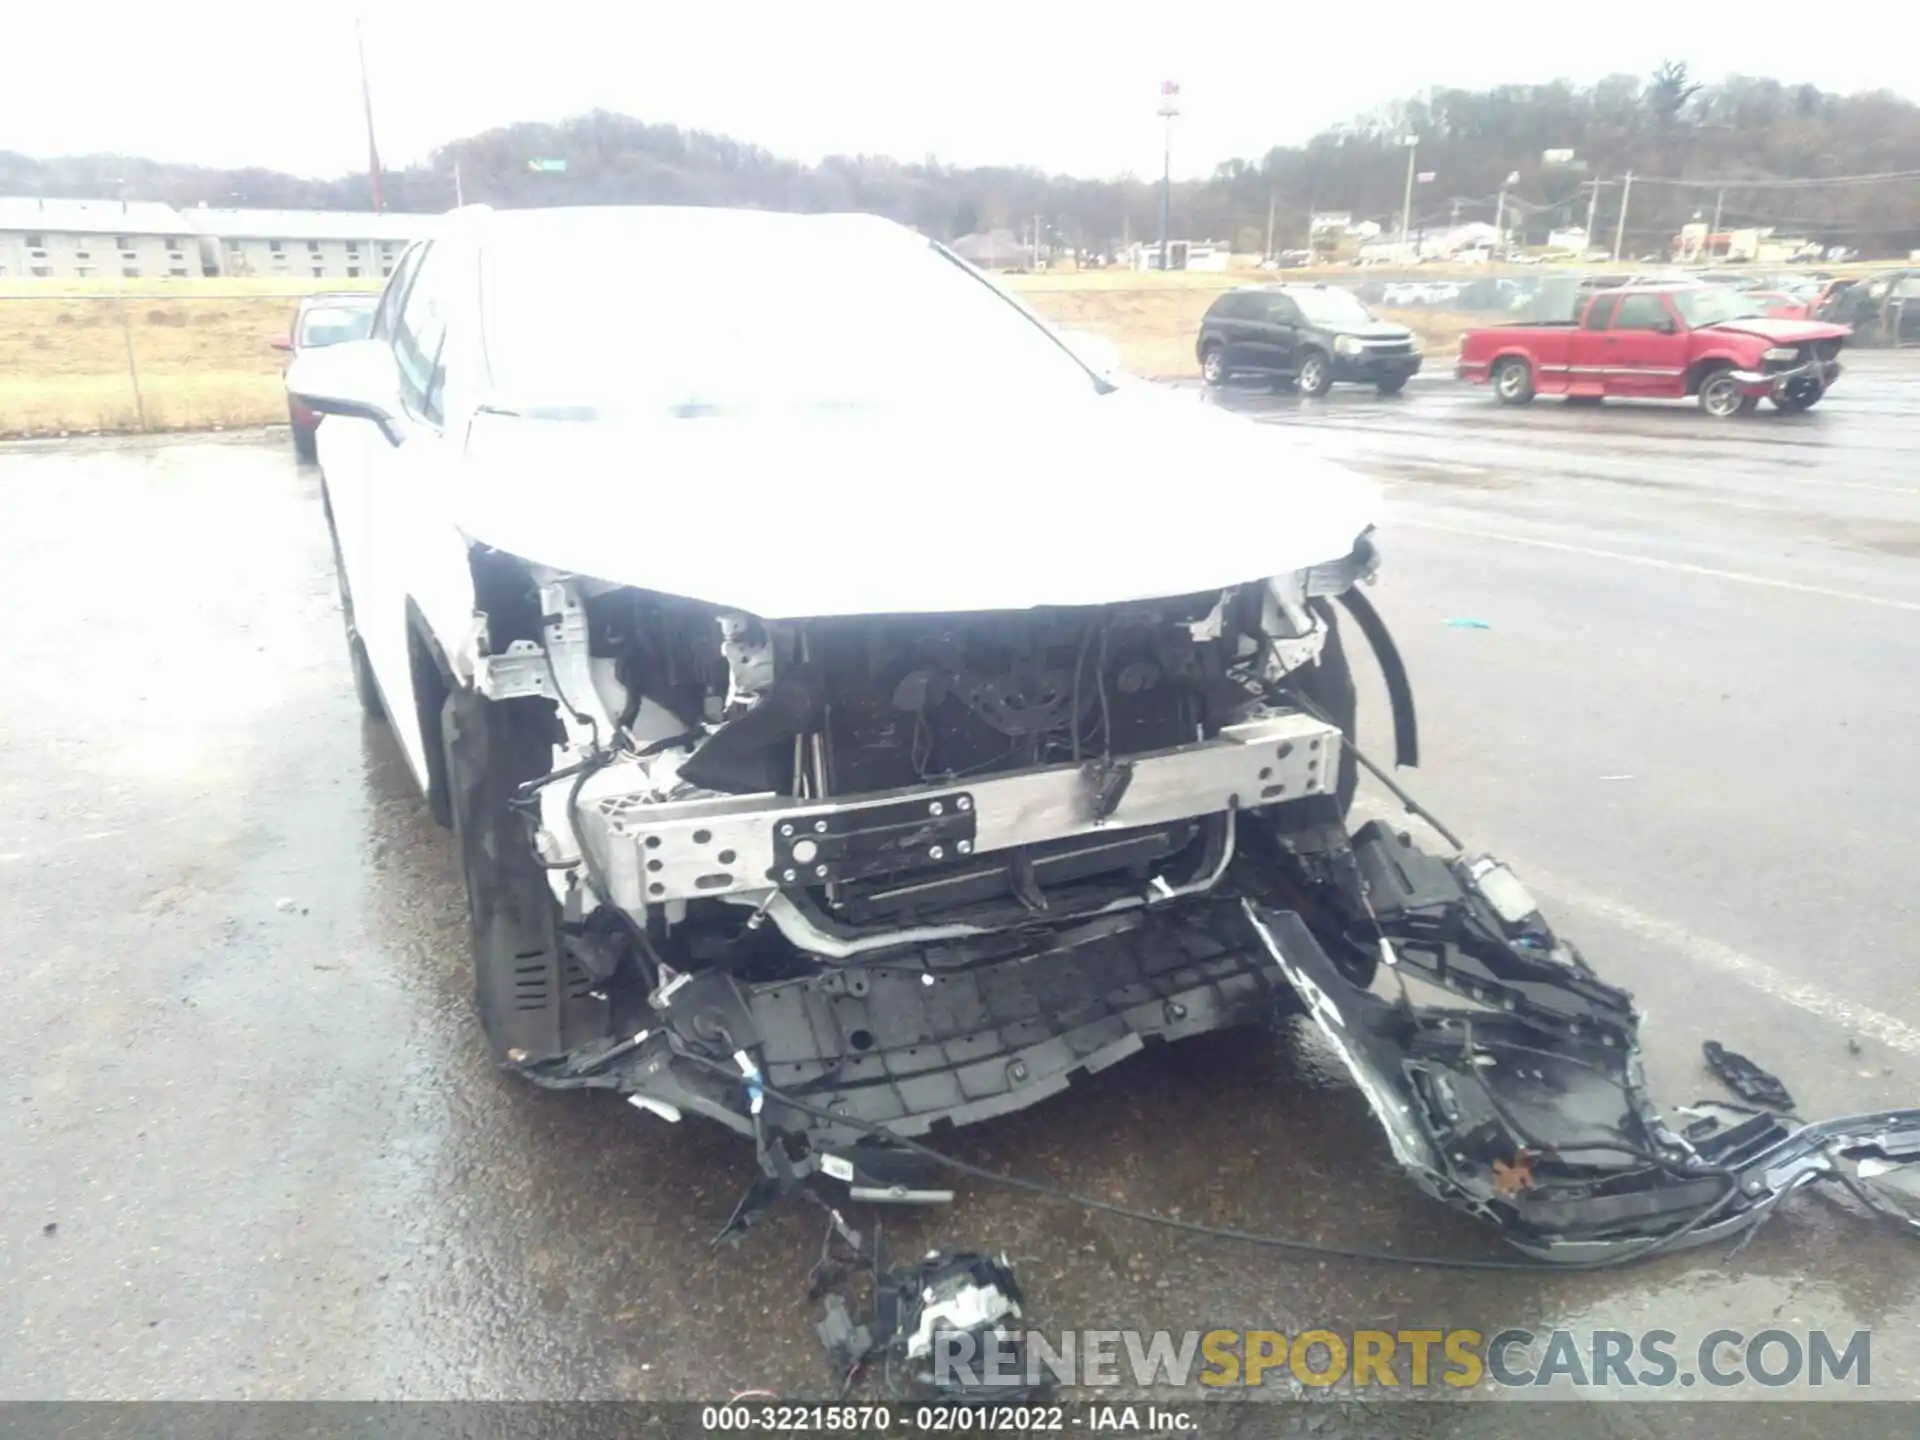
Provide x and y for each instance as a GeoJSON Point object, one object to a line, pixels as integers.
{"type": "Point", "coordinates": [1648, 348]}
{"type": "Point", "coordinates": [1232, 324]}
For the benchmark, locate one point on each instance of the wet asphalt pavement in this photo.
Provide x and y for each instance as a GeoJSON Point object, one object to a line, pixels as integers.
{"type": "Point", "coordinates": [250, 1145]}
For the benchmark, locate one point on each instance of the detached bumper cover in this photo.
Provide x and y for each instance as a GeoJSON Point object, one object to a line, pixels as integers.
{"type": "Point", "coordinates": [1508, 1081]}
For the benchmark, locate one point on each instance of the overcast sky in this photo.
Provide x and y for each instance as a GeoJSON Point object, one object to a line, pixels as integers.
{"type": "Point", "coordinates": [1065, 86]}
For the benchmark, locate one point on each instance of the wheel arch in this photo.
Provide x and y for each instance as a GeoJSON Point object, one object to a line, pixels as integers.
{"type": "Point", "coordinates": [1698, 371]}
{"type": "Point", "coordinates": [433, 682]}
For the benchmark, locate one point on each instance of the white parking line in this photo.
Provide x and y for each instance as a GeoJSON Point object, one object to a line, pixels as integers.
{"type": "Point", "coordinates": [1884, 602]}
{"type": "Point", "coordinates": [1768, 979]}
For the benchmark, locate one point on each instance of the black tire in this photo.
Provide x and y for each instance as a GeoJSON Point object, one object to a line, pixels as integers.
{"type": "Point", "coordinates": [1801, 394]}
{"type": "Point", "coordinates": [519, 979]}
{"type": "Point", "coordinates": [1315, 376]}
{"type": "Point", "coordinates": [365, 688]}
{"type": "Point", "coordinates": [1213, 364]}
{"type": "Point", "coordinates": [1391, 387]}
{"type": "Point", "coordinates": [305, 441]}
{"type": "Point", "coordinates": [1513, 382]}
{"type": "Point", "coordinates": [1721, 398]}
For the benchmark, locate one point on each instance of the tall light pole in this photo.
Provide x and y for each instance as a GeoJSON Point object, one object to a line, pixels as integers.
{"type": "Point", "coordinates": [1412, 142]}
{"type": "Point", "coordinates": [1169, 109]}
{"type": "Point", "coordinates": [366, 99]}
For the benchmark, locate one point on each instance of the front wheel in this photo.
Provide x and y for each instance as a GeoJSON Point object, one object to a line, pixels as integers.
{"type": "Point", "coordinates": [521, 979]}
{"type": "Point", "coordinates": [1722, 397]}
{"type": "Point", "coordinates": [1316, 374]}
{"type": "Point", "coordinates": [1213, 365]}
{"type": "Point", "coordinates": [1513, 382]}
{"type": "Point", "coordinates": [305, 439]}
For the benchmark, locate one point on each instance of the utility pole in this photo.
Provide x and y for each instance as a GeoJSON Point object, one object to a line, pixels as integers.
{"type": "Point", "coordinates": [1269, 250]}
{"type": "Point", "coordinates": [366, 98]}
{"type": "Point", "coordinates": [459, 196]}
{"type": "Point", "coordinates": [1412, 142]}
{"type": "Point", "coordinates": [1593, 208]}
{"type": "Point", "coordinates": [1719, 199]}
{"type": "Point", "coordinates": [1620, 229]}
{"type": "Point", "coordinates": [1169, 108]}
{"type": "Point", "coordinates": [1500, 211]}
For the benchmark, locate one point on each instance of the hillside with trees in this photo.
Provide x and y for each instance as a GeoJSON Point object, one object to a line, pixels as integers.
{"type": "Point", "coordinates": [1695, 149]}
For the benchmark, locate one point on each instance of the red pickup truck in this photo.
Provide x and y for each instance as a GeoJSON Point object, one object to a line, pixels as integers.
{"type": "Point", "coordinates": [1661, 342]}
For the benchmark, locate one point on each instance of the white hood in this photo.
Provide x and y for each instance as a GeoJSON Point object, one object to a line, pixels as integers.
{"type": "Point", "coordinates": [1136, 495]}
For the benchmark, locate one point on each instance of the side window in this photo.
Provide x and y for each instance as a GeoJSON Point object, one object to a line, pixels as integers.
{"type": "Point", "coordinates": [1282, 311]}
{"type": "Point", "coordinates": [1641, 312]}
{"type": "Point", "coordinates": [388, 313]}
{"type": "Point", "coordinates": [419, 340]}
{"type": "Point", "coordinates": [1228, 307]}
{"type": "Point", "coordinates": [1600, 314]}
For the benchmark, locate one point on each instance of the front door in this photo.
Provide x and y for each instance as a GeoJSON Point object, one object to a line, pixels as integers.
{"type": "Point", "coordinates": [1648, 346]}
{"type": "Point", "coordinates": [1589, 351]}
{"type": "Point", "coordinates": [1278, 335]}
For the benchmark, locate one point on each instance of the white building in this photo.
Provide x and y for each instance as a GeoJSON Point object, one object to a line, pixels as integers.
{"type": "Point", "coordinates": [95, 239]}
{"type": "Point", "coordinates": [305, 244]}
{"type": "Point", "coordinates": [1181, 255]}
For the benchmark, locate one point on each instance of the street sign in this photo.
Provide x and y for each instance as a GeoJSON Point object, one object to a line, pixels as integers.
{"type": "Point", "coordinates": [1425, 177]}
{"type": "Point", "coordinates": [547, 167]}
{"type": "Point", "coordinates": [1169, 98]}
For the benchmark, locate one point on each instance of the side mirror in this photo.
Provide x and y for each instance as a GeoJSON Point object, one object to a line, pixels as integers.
{"type": "Point", "coordinates": [281, 344]}
{"type": "Point", "coordinates": [355, 378]}
{"type": "Point", "coordinates": [1666, 327]}
{"type": "Point", "coordinates": [1096, 352]}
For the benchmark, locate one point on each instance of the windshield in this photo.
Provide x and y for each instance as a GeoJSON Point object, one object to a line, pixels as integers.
{"type": "Point", "coordinates": [1331, 307]}
{"type": "Point", "coordinates": [1712, 304]}
{"type": "Point", "coordinates": [842, 319]}
{"type": "Point", "coordinates": [333, 324]}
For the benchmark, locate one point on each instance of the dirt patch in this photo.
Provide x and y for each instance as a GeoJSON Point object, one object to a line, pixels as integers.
{"type": "Point", "coordinates": [202, 360]}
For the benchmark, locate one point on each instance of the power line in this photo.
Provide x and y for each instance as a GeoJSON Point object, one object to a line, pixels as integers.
{"type": "Point", "coordinates": [1814, 182]}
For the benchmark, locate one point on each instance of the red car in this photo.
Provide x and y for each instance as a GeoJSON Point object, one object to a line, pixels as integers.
{"type": "Point", "coordinates": [1661, 342]}
{"type": "Point", "coordinates": [324, 319]}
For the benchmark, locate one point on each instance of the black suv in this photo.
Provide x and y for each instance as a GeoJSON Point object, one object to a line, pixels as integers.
{"type": "Point", "coordinates": [1309, 335]}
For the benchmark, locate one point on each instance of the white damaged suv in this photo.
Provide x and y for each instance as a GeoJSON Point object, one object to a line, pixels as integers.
{"type": "Point", "coordinates": [860, 714]}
